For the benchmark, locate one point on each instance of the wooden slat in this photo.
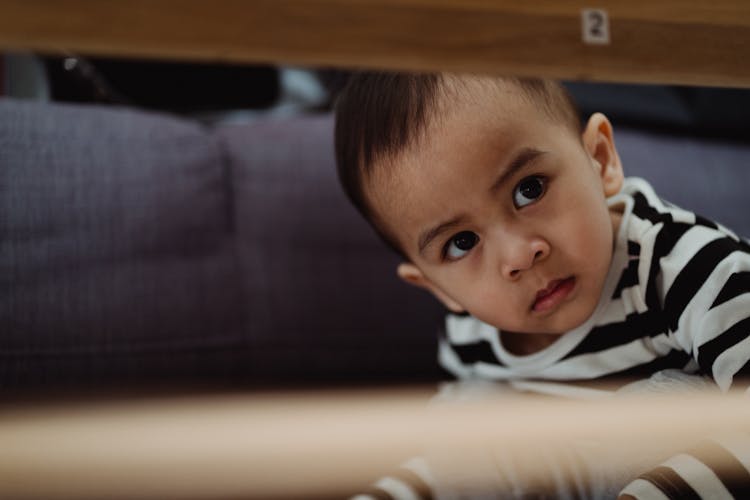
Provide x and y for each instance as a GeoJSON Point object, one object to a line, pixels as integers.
{"type": "Point", "coordinates": [326, 445]}
{"type": "Point", "coordinates": [688, 42]}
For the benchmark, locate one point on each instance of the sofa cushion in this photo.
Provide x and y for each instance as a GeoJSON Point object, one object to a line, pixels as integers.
{"type": "Point", "coordinates": [322, 291]}
{"type": "Point", "coordinates": [114, 242]}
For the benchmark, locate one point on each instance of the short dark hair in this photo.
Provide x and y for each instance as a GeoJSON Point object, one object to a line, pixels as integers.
{"type": "Point", "coordinates": [380, 114]}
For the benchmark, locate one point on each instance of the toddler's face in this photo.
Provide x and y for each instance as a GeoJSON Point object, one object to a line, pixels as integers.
{"type": "Point", "coordinates": [503, 213]}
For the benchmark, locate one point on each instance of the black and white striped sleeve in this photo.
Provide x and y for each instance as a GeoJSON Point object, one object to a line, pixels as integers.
{"type": "Point", "coordinates": [698, 279]}
{"type": "Point", "coordinates": [714, 469]}
{"type": "Point", "coordinates": [707, 301]}
{"type": "Point", "coordinates": [411, 481]}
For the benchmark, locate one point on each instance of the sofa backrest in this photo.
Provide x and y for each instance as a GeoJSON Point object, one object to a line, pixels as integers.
{"type": "Point", "coordinates": [321, 290]}
{"type": "Point", "coordinates": [142, 247]}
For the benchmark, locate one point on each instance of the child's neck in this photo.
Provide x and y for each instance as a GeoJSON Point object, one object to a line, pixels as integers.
{"type": "Point", "coordinates": [523, 344]}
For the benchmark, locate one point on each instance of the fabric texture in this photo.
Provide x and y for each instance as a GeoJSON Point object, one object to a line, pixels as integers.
{"type": "Point", "coordinates": [141, 247]}
{"type": "Point", "coordinates": [321, 290]}
{"type": "Point", "coordinates": [114, 243]}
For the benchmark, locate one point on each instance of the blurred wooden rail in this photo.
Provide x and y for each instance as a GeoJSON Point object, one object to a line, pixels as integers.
{"type": "Point", "coordinates": [685, 41]}
{"type": "Point", "coordinates": [328, 444]}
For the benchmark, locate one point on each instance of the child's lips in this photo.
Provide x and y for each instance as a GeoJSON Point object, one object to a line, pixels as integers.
{"type": "Point", "coordinates": [553, 294]}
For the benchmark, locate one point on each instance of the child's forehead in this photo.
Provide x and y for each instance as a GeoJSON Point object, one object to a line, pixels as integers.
{"type": "Point", "coordinates": [473, 107]}
{"type": "Point", "coordinates": [466, 139]}
{"type": "Point", "coordinates": [475, 118]}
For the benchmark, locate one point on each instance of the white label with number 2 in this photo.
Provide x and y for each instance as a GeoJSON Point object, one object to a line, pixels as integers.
{"type": "Point", "coordinates": [595, 26]}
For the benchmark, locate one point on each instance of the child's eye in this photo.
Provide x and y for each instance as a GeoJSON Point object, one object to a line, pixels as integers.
{"type": "Point", "coordinates": [459, 245]}
{"type": "Point", "coordinates": [529, 190]}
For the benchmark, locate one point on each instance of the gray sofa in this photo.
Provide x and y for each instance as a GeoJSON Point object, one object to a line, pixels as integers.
{"type": "Point", "coordinates": [142, 248]}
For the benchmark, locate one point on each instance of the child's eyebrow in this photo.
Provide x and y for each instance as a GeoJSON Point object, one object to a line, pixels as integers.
{"type": "Point", "coordinates": [427, 236]}
{"type": "Point", "coordinates": [523, 158]}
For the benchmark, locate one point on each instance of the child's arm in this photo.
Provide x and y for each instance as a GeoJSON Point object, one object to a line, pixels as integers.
{"type": "Point", "coordinates": [707, 307]}
{"type": "Point", "coordinates": [716, 468]}
{"type": "Point", "coordinates": [412, 480]}
{"type": "Point", "coordinates": [702, 289]}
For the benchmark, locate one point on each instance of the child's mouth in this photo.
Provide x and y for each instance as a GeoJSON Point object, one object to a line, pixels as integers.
{"type": "Point", "coordinates": [551, 296]}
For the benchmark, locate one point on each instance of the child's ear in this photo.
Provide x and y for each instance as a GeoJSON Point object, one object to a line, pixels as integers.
{"type": "Point", "coordinates": [599, 141]}
{"type": "Point", "coordinates": [414, 276]}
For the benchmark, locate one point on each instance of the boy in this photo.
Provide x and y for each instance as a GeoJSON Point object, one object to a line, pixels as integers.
{"type": "Point", "coordinates": [554, 266]}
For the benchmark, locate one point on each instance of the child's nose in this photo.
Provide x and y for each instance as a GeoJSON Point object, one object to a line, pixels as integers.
{"type": "Point", "coordinates": [522, 255]}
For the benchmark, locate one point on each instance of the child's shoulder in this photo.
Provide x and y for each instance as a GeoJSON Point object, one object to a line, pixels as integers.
{"type": "Point", "coordinates": [665, 217]}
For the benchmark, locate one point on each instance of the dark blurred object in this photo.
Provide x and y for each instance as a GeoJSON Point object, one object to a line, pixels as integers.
{"type": "Point", "coordinates": [170, 86]}
{"type": "Point", "coordinates": [706, 111]}
{"type": "Point", "coordinates": [334, 81]}
{"type": "Point", "coordinates": [2, 74]}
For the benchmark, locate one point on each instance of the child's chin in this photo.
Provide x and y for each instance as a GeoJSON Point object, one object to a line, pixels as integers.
{"type": "Point", "coordinates": [567, 319]}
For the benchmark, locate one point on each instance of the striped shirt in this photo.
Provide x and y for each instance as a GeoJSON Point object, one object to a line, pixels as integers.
{"type": "Point", "coordinates": [676, 300]}
{"type": "Point", "coordinates": [676, 297]}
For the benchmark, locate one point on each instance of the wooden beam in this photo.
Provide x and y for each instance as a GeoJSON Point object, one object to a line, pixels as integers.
{"type": "Point", "coordinates": [330, 445]}
{"type": "Point", "coordinates": [687, 42]}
